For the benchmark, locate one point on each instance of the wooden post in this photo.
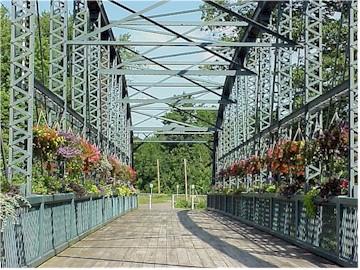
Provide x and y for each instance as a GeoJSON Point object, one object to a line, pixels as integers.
{"type": "Point", "coordinates": [185, 175]}
{"type": "Point", "coordinates": [158, 174]}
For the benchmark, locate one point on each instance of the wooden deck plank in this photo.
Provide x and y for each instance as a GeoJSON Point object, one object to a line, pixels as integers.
{"type": "Point", "coordinates": [163, 237]}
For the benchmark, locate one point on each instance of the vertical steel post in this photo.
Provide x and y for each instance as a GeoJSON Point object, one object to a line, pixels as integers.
{"type": "Point", "coordinates": [79, 62]}
{"type": "Point", "coordinates": [313, 72]}
{"type": "Point", "coordinates": [104, 90]}
{"type": "Point", "coordinates": [353, 98]}
{"type": "Point", "coordinates": [94, 77]}
{"type": "Point", "coordinates": [58, 52]}
{"type": "Point", "coordinates": [21, 89]}
{"type": "Point", "coordinates": [284, 67]}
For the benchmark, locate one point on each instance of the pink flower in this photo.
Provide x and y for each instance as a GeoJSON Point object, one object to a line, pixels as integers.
{"type": "Point", "coordinates": [344, 184]}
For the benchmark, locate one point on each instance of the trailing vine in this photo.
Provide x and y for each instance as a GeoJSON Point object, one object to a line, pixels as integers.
{"type": "Point", "coordinates": [8, 205]}
{"type": "Point", "coordinates": [309, 202]}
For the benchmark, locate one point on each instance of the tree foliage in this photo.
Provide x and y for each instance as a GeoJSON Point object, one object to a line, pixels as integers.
{"type": "Point", "coordinates": [171, 157]}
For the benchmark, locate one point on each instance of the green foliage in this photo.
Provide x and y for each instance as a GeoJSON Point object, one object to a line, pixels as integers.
{"type": "Point", "coordinates": [270, 188]}
{"type": "Point", "coordinates": [171, 157]}
{"type": "Point", "coordinates": [123, 190]}
{"type": "Point", "coordinates": [155, 198]}
{"type": "Point", "coordinates": [182, 203]}
{"type": "Point", "coordinates": [91, 188]}
{"type": "Point", "coordinates": [201, 205]}
{"type": "Point", "coordinates": [46, 184]}
{"type": "Point", "coordinates": [309, 202]}
{"type": "Point", "coordinates": [239, 190]}
{"type": "Point", "coordinates": [8, 205]}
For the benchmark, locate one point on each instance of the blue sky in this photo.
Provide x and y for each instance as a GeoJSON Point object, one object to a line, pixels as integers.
{"type": "Point", "coordinates": [116, 13]}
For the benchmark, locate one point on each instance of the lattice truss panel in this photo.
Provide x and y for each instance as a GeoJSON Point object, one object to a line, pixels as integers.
{"type": "Point", "coordinates": [22, 88]}
{"type": "Point", "coordinates": [284, 66]}
{"type": "Point", "coordinates": [94, 78]}
{"type": "Point", "coordinates": [79, 61]}
{"type": "Point", "coordinates": [105, 85]}
{"type": "Point", "coordinates": [353, 96]}
{"type": "Point", "coordinates": [112, 117]}
{"type": "Point", "coordinates": [313, 73]}
{"type": "Point", "coordinates": [58, 51]}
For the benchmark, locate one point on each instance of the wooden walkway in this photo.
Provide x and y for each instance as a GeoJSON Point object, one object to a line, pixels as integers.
{"type": "Point", "coordinates": [163, 237]}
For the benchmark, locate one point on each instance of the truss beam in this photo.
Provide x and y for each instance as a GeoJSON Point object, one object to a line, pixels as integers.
{"type": "Point", "coordinates": [177, 44]}
{"type": "Point", "coordinates": [181, 108]}
{"type": "Point", "coordinates": [182, 23]}
{"type": "Point", "coordinates": [21, 89]}
{"type": "Point", "coordinates": [174, 142]}
{"type": "Point", "coordinates": [79, 62]}
{"type": "Point", "coordinates": [178, 35]}
{"type": "Point", "coordinates": [252, 22]}
{"type": "Point", "coordinates": [176, 72]}
{"type": "Point", "coordinates": [58, 51]}
{"type": "Point", "coordinates": [173, 128]}
{"type": "Point", "coordinates": [177, 101]}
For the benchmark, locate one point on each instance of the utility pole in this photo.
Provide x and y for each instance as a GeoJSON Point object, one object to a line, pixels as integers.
{"type": "Point", "coordinates": [158, 174]}
{"type": "Point", "coordinates": [185, 174]}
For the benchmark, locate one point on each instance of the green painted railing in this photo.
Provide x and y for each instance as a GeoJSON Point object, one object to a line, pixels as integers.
{"type": "Point", "coordinates": [331, 234]}
{"type": "Point", "coordinates": [54, 222]}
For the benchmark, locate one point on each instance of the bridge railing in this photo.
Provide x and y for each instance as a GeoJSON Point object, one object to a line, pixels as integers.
{"type": "Point", "coordinates": [331, 234]}
{"type": "Point", "coordinates": [54, 222]}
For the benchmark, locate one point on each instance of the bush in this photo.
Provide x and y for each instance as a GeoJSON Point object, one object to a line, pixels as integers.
{"type": "Point", "coordinates": [182, 204]}
{"type": "Point", "coordinates": [201, 205]}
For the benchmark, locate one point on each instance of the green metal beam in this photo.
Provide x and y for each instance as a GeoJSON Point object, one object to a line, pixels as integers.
{"type": "Point", "coordinates": [176, 72]}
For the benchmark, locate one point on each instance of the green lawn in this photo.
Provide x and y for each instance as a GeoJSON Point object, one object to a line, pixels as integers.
{"type": "Point", "coordinates": [156, 198]}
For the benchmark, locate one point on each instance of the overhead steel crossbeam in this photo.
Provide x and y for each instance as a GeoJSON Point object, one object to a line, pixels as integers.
{"type": "Point", "coordinates": [166, 68]}
{"type": "Point", "coordinates": [175, 37]}
{"type": "Point", "coordinates": [187, 95]}
{"type": "Point", "coordinates": [171, 31]}
{"type": "Point", "coordinates": [174, 128]}
{"type": "Point", "coordinates": [167, 119]}
{"type": "Point", "coordinates": [182, 23]}
{"type": "Point", "coordinates": [181, 108]}
{"type": "Point", "coordinates": [174, 142]}
{"type": "Point", "coordinates": [185, 112]}
{"type": "Point", "coordinates": [178, 44]}
{"type": "Point", "coordinates": [196, 82]}
{"type": "Point", "coordinates": [167, 85]}
{"type": "Point", "coordinates": [253, 22]}
{"type": "Point", "coordinates": [234, 72]}
{"type": "Point", "coordinates": [175, 100]}
{"type": "Point", "coordinates": [177, 63]}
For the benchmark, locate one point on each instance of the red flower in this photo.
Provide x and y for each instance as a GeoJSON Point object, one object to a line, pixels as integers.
{"type": "Point", "coordinates": [344, 184]}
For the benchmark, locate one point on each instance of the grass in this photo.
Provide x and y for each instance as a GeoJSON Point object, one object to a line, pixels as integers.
{"type": "Point", "coordinates": [156, 198]}
{"type": "Point", "coordinates": [181, 202]}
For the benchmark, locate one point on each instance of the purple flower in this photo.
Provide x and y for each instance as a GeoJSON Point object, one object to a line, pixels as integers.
{"type": "Point", "coordinates": [68, 152]}
{"type": "Point", "coordinates": [69, 137]}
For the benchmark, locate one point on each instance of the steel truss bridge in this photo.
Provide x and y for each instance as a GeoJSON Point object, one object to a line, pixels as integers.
{"type": "Point", "coordinates": [255, 103]}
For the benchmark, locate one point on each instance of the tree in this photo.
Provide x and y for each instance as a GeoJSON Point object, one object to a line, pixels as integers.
{"type": "Point", "coordinates": [171, 157]}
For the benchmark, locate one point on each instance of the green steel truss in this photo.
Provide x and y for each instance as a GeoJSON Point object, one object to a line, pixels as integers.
{"type": "Point", "coordinates": [265, 102]}
{"type": "Point", "coordinates": [22, 89]}
{"type": "Point", "coordinates": [256, 102]}
{"type": "Point", "coordinates": [58, 53]}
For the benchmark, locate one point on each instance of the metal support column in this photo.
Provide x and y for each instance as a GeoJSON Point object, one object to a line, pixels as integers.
{"type": "Point", "coordinates": [21, 89]}
{"type": "Point", "coordinates": [313, 72]}
{"type": "Point", "coordinates": [79, 62]}
{"type": "Point", "coordinates": [58, 52]}
{"type": "Point", "coordinates": [94, 78]}
{"type": "Point", "coordinates": [353, 98]}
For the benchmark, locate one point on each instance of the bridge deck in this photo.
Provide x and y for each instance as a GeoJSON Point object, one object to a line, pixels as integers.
{"type": "Point", "coordinates": [165, 238]}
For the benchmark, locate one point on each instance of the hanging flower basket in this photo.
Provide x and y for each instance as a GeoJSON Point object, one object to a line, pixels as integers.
{"type": "Point", "coordinates": [46, 141]}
